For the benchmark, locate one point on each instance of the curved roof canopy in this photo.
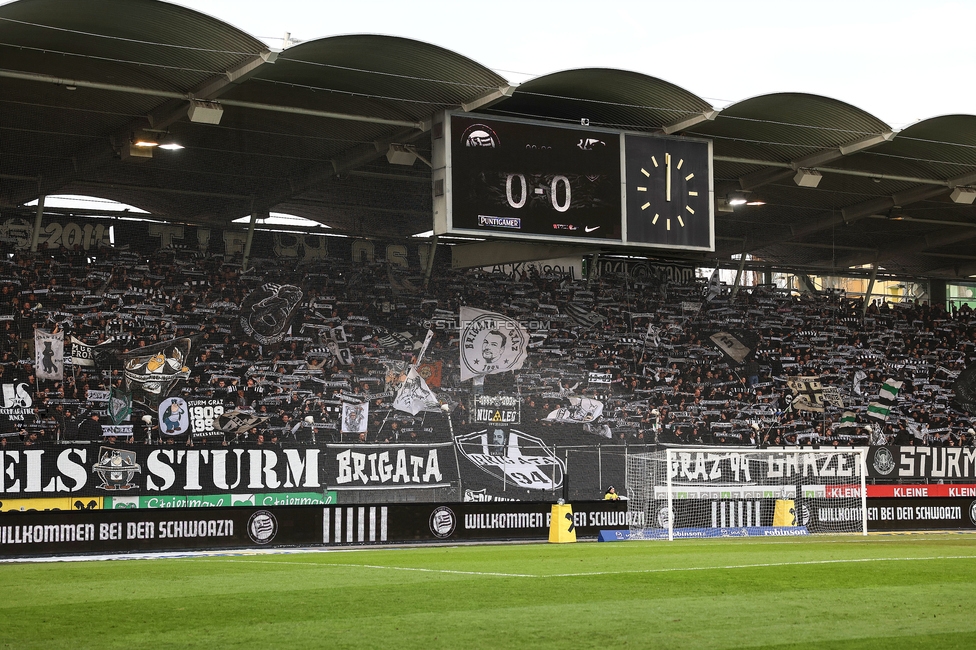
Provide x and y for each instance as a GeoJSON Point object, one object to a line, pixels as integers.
{"type": "Point", "coordinates": [305, 131]}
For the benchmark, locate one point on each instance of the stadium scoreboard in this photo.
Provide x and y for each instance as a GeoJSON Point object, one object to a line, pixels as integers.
{"type": "Point", "coordinates": [518, 179]}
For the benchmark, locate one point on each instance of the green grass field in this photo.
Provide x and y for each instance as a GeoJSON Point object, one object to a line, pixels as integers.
{"type": "Point", "coordinates": [836, 592]}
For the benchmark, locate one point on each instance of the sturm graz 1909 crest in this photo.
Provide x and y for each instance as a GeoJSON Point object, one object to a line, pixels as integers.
{"type": "Point", "coordinates": [442, 522]}
{"type": "Point", "coordinates": [116, 468]}
{"type": "Point", "coordinates": [262, 527]}
{"type": "Point", "coordinates": [480, 136]}
{"type": "Point", "coordinates": [884, 461]}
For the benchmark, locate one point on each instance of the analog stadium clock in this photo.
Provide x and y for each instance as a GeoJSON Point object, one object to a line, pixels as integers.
{"type": "Point", "coordinates": [669, 193]}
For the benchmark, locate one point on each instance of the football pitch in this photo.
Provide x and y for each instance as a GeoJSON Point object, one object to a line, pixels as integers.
{"type": "Point", "coordinates": [911, 591]}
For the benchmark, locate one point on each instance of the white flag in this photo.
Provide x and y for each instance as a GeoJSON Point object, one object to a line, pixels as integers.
{"type": "Point", "coordinates": [580, 410]}
{"type": "Point", "coordinates": [414, 395]}
{"type": "Point", "coordinates": [48, 355]}
{"type": "Point", "coordinates": [490, 343]}
{"type": "Point", "coordinates": [714, 286]}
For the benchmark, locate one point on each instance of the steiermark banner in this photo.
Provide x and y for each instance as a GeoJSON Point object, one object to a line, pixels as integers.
{"type": "Point", "coordinates": [220, 500]}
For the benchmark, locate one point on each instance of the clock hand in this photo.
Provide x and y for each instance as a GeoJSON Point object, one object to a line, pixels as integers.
{"type": "Point", "coordinates": [667, 191]}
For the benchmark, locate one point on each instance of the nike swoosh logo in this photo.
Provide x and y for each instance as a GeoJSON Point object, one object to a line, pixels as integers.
{"type": "Point", "coordinates": [588, 229]}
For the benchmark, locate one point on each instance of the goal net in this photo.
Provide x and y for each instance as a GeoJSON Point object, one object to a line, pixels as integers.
{"type": "Point", "coordinates": [723, 492]}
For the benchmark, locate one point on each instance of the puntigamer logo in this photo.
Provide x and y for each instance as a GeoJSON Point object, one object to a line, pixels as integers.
{"type": "Point", "coordinates": [500, 222]}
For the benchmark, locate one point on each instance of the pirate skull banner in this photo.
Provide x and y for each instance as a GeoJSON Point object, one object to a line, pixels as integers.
{"type": "Point", "coordinates": [267, 312]}
{"type": "Point", "coordinates": [152, 373]}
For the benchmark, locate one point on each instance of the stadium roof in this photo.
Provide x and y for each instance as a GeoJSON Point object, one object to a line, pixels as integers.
{"type": "Point", "coordinates": [305, 131]}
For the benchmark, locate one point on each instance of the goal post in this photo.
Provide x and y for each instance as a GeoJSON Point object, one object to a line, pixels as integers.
{"type": "Point", "coordinates": [725, 492]}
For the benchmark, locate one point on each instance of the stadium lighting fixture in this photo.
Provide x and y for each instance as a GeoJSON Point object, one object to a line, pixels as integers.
{"type": "Point", "coordinates": [401, 154]}
{"type": "Point", "coordinates": [963, 195]}
{"type": "Point", "coordinates": [807, 177]}
{"type": "Point", "coordinates": [144, 140]}
{"type": "Point", "coordinates": [755, 202]}
{"type": "Point", "coordinates": [204, 112]}
{"type": "Point", "coordinates": [737, 198]}
{"type": "Point", "coordinates": [167, 142]}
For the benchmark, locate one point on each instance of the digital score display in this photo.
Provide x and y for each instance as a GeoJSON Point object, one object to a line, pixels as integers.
{"type": "Point", "coordinates": [501, 178]}
{"type": "Point", "coordinates": [517, 178]}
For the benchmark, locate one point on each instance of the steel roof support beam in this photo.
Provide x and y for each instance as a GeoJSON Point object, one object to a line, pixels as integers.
{"type": "Point", "coordinates": [211, 89]}
{"type": "Point", "coordinates": [850, 214]}
{"type": "Point", "coordinates": [101, 151]}
{"type": "Point", "coordinates": [766, 176]}
{"type": "Point", "coordinates": [931, 240]}
{"type": "Point", "coordinates": [867, 294]}
{"type": "Point", "coordinates": [364, 154]}
{"type": "Point", "coordinates": [687, 123]}
{"type": "Point", "coordinates": [960, 271]}
{"type": "Point", "coordinates": [493, 96]}
{"type": "Point", "coordinates": [169, 94]}
{"type": "Point", "coordinates": [878, 176]}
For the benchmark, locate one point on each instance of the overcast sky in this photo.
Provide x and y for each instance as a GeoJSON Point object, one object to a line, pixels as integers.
{"type": "Point", "coordinates": [901, 61]}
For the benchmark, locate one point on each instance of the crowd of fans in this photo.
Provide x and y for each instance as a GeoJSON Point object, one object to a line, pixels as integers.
{"type": "Point", "coordinates": [641, 348]}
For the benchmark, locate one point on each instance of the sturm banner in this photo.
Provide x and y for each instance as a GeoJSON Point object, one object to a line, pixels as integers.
{"type": "Point", "coordinates": [938, 463]}
{"type": "Point", "coordinates": [137, 470]}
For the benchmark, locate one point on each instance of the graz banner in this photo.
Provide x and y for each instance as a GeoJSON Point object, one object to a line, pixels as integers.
{"type": "Point", "coordinates": [938, 463]}
{"type": "Point", "coordinates": [196, 416]}
{"type": "Point", "coordinates": [733, 468]}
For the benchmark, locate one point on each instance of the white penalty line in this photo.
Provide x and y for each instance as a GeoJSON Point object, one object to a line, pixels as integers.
{"type": "Point", "coordinates": [583, 574]}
